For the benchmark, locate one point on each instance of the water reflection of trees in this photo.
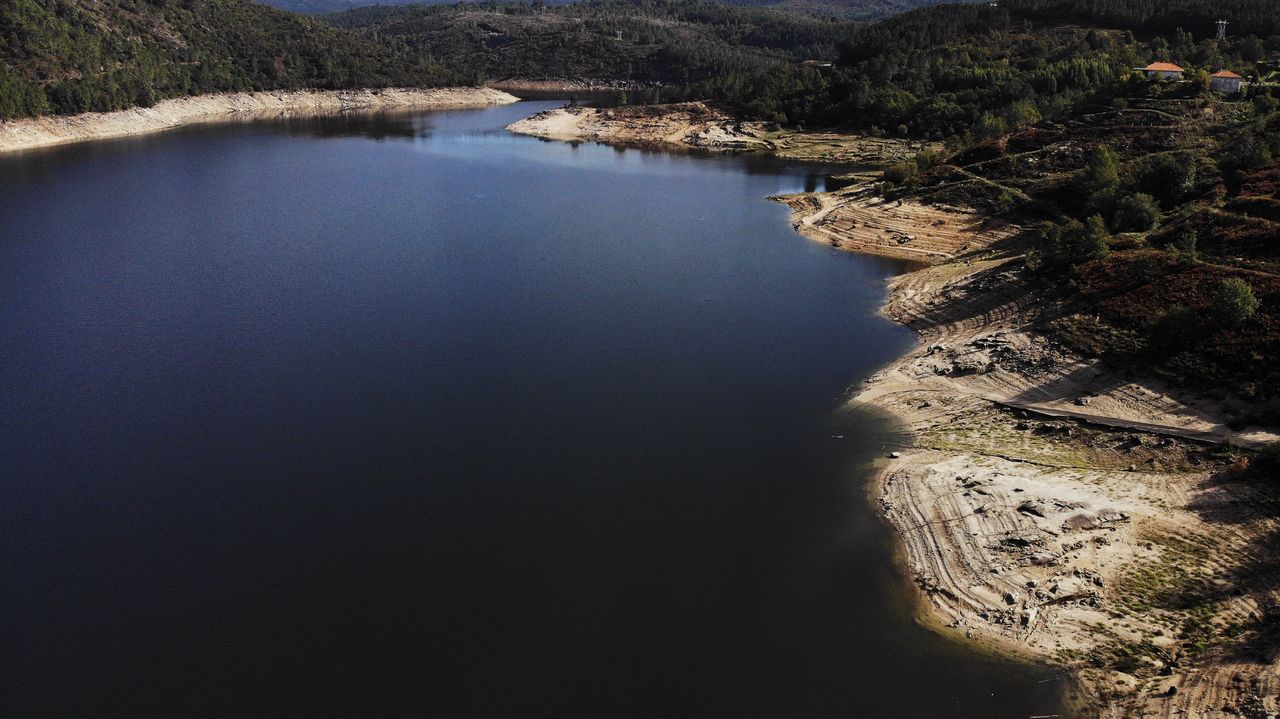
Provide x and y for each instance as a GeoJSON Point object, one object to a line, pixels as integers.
{"type": "Point", "coordinates": [372, 125]}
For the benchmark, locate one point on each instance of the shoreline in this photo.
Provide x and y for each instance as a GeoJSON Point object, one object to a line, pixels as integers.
{"type": "Point", "coordinates": [1050, 509]}
{"type": "Point", "coordinates": [1032, 530]}
{"type": "Point", "coordinates": [51, 130]}
{"type": "Point", "coordinates": [698, 126]}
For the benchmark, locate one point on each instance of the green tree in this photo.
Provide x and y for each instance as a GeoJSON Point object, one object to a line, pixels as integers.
{"type": "Point", "coordinates": [1071, 243]}
{"type": "Point", "coordinates": [1101, 171]}
{"type": "Point", "coordinates": [1086, 241]}
{"type": "Point", "coordinates": [1099, 180]}
{"type": "Point", "coordinates": [1168, 178]}
{"type": "Point", "coordinates": [1183, 247]}
{"type": "Point", "coordinates": [1235, 301]}
{"type": "Point", "coordinates": [1135, 213]}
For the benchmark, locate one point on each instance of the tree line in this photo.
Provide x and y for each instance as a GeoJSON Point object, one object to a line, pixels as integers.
{"type": "Point", "coordinates": [71, 56]}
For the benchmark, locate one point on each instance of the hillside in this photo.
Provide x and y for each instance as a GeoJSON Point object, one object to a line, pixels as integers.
{"type": "Point", "coordinates": [845, 9]}
{"type": "Point", "coordinates": [318, 7]}
{"type": "Point", "coordinates": [681, 48]}
{"type": "Point", "coordinates": [70, 56]}
{"type": "Point", "coordinates": [956, 72]}
{"type": "Point", "coordinates": [1099, 321]}
{"type": "Point", "coordinates": [1106, 286]}
{"type": "Point", "coordinates": [1179, 274]}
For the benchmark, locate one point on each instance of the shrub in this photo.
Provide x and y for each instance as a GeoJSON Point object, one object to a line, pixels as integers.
{"type": "Point", "coordinates": [1104, 201]}
{"type": "Point", "coordinates": [1168, 178]}
{"type": "Point", "coordinates": [146, 97]}
{"type": "Point", "coordinates": [1235, 301]}
{"type": "Point", "coordinates": [1199, 79]}
{"type": "Point", "coordinates": [1087, 241]}
{"type": "Point", "coordinates": [990, 126]}
{"type": "Point", "coordinates": [1034, 260]}
{"type": "Point", "coordinates": [928, 158]}
{"type": "Point", "coordinates": [1249, 153]}
{"type": "Point", "coordinates": [901, 172]}
{"type": "Point", "coordinates": [1135, 213]}
{"type": "Point", "coordinates": [1183, 247]}
{"type": "Point", "coordinates": [1072, 243]}
{"type": "Point", "coordinates": [1101, 171]}
{"type": "Point", "coordinates": [1022, 112]}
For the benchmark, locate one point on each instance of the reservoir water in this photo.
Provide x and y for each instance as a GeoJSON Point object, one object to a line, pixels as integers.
{"type": "Point", "coordinates": [403, 415]}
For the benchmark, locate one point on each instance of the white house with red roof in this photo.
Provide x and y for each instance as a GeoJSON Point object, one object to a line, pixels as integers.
{"type": "Point", "coordinates": [1225, 81]}
{"type": "Point", "coordinates": [1163, 71]}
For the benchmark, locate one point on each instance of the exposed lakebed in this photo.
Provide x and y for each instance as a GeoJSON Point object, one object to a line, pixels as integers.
{"type": "Point", "coordinates": [406, 415]}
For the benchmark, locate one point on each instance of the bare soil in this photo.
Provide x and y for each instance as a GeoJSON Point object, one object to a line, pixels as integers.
{"type": "Point", "coordinates": [1051, 508]}
{"type": "Point", "coordinates": [59, 129]}
{"type": "Point", "coordinates": [695, 125]}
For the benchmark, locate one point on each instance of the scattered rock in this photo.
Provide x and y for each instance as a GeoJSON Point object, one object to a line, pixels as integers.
{"type": "Point", "coordinates": [1032, 507]}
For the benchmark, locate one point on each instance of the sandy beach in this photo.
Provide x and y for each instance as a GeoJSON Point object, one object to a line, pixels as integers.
{"type": "Point", "coordinates": [60, 129]}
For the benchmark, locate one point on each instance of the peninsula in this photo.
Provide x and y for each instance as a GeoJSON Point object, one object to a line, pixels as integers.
{"type": "Point", "coordinates": [1051, 504]}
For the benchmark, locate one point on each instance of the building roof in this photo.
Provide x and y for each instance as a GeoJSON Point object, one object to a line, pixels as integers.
{"type": "Point", "coordinates": [1227, 74]}
{"type": "Point", "coordinates": [1162, 67]}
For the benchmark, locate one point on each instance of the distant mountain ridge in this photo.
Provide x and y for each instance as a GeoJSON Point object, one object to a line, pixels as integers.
{"type": "Point", "coordinates": [847, 9]}
{"type": "Point", "coordinates": [320, 7]}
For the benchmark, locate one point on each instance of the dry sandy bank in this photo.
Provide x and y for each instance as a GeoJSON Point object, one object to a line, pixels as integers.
{"type": "Point", "coordinates": [57, 129]}
{"type": "Point", "coordinates": [518, 85]}
{"type": "Point", "coordinates": [695, 125]}
{"type": "Point", "coordinates": [1050, 507]}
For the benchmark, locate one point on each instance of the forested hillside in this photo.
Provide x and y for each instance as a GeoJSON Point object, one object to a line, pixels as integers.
{"type": "Point", "coordinates": [669, 50]}
{"type": "Point", "coordinates": [844, 9]}
{"type": "Point", "coordinates": [1155, 205]}
{"type": "Point", "coordinates": [957, 72]}
{"type": "Point", "coordinates": [1156, 17]}
{"type": "Point", "coordinates": [69, 56]}
{"type": "Point", "coordinates": [977, 70]}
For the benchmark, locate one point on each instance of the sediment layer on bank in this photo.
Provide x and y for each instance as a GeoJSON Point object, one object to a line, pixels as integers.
{"type": "Point", "coordinates": [696, 125]}
{"type": "Point", "coordinates": [1049, 506]}
{"type": "Point", "coordinates": [518, 85]}
{"type": "Point", "coordinates": [59, 129]}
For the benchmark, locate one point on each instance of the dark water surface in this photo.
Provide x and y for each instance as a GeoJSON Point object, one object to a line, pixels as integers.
{"type": "Point", "coordinates": [408, 416]}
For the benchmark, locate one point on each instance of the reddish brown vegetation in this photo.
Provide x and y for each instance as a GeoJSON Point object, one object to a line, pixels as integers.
{"type": "Point", "coordinates": [1133, 290]}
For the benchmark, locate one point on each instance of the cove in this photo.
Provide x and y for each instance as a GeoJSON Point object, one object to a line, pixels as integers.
{"type": "Point", "coordinates": [403, 415]}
